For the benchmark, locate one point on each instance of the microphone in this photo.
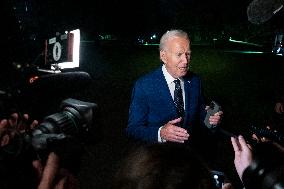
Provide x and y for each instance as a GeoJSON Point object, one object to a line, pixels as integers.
{"type": "Point", "coordinates": [65, 81]}
{"type": "Point", "coordinates": [260, 11]}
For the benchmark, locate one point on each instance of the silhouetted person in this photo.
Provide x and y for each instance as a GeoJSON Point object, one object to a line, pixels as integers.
{"type": "Point", "coordinates": [163, 165]}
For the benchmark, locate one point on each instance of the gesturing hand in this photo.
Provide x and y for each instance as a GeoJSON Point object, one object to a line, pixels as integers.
{"type": "Point", "coordinates": [173, 133]}
{"type": "Point", "coordinates": [243, 154]}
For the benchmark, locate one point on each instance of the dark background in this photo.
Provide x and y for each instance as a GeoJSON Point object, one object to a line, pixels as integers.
{"type": "Point", "coordinates": [28, 23]}
{"type": "Point", "coordinates": [242, 81]}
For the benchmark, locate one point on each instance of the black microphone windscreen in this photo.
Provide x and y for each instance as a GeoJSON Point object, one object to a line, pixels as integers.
{"type": "Point", "coordinates": [66, 81]}
{"type": "Point", "coordinates": [260, 11]}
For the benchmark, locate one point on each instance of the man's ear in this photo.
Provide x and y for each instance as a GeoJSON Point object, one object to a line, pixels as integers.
{"type": "Point", "coordinates": [163, 56]}
{"type": "Point", "coordinates": [5, 140]}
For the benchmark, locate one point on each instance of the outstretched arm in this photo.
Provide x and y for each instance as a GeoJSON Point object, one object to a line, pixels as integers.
{"type": "Point", "coordinates": [243, 154]}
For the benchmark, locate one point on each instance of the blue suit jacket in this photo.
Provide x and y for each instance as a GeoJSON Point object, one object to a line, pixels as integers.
{"type": "Point", "coordinates": [152, 106]}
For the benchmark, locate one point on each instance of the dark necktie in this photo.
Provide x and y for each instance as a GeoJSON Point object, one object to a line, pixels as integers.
{"type": "Point", "coordinates": [178, 100]}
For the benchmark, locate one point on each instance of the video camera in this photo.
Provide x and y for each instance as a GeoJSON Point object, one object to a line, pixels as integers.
{"type": "Point", "coordinates": [62, 132]}
{"type": "Point", "coordinates": [71, 124]}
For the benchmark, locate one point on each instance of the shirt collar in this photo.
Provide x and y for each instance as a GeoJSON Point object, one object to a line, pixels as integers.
{"type": "Point", "coordinates": [168, 77]}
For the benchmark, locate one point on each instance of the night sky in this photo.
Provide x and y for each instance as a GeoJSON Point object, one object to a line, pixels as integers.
{"type": "Point", "coordinates": [126, 16]}
{"type": "Point", "coordinates": [31, 21]}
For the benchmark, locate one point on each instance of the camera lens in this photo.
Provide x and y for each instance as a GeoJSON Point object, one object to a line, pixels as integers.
{"type": "Point", "coordinates": [74, 120]}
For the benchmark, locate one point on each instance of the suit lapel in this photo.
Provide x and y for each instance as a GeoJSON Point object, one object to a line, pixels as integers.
{"type": "Point", "coordinates": [187, 89]}
{"type": "Point", "coordinates": [191, 88]}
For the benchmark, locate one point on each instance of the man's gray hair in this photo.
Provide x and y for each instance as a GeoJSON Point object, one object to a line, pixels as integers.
{"type": "Point", "coordinates": [170, 34]}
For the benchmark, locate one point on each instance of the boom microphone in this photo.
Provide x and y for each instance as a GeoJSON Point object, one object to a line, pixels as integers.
{"type": "Point", "coordinates": [260, 11]}
{"type": "Point", "coordinates": [48, 90]}
{"type": "Point", "coordinates": [64, 81]}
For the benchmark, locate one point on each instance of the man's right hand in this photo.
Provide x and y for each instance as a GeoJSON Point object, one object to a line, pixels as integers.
{"type": "Point", "coordinates": [171, 132]}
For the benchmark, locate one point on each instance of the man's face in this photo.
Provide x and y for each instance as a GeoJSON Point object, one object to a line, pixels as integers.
{"type": "Point", "coordinates": [176, 56]}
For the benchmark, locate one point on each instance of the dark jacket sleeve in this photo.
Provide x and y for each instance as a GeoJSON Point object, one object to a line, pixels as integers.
{"type": "Point", "coordinates": [138, 127]}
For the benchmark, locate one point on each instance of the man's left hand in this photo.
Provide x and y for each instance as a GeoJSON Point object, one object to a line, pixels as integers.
{"type": "Point", "coordinates": [216, 118]}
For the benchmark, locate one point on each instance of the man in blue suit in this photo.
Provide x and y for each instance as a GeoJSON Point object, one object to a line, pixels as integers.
{"type": "Point", "coordinates": [153, 116]}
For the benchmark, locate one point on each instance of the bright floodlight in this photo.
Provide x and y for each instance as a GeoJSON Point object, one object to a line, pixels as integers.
{"type": "Point", "coordinates": [62, 51]}
{"type": "Point", "coordinates": [75, 52]}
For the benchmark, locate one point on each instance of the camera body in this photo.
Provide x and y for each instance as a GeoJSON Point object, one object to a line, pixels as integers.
{"type": "Point", "coordinates": [60, 132]}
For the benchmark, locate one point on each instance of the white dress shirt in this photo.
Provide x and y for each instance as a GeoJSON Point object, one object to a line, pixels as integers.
{"type": "Point", "coordinates": [170, 81]}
